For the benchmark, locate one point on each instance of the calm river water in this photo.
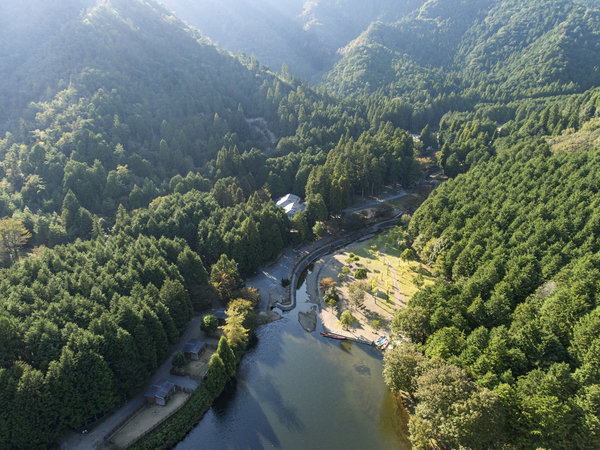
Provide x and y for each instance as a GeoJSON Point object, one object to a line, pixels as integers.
{"type": "Point", "coordinates": [298, 390]}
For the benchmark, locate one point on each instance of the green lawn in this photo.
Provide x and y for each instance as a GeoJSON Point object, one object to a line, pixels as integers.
{"type": "Point", "coordinates": [387, 272]}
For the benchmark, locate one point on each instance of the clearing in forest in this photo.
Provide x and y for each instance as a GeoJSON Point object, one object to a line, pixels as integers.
{"type": "Point", "coordinates": [148, 417]}
{"type": "Point", "coordinates": [373, 279]}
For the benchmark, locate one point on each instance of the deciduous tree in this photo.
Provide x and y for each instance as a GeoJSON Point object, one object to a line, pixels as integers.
{"type": "Point", "coordinates": [346, 319]}
{"type": "Point", "coordinates": [13, 236]}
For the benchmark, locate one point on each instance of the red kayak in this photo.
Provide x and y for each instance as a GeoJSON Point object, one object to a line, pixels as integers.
{"type": "Point", "coordinates": [334, 336]}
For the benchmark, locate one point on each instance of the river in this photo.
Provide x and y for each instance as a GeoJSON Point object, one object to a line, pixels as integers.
{"type": "Point", "coordinates": [298, 390]}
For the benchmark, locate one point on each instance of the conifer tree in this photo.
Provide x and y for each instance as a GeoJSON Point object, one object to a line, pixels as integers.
{"type": "Point", "coordinates": [227, 355]}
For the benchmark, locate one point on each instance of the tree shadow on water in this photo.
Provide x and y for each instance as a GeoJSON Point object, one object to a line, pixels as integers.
{"type": "Point", "coordinates": [247, 405]}
{"type": "Point", "coordinates": [236, 425]}
{"type": "Point", "coordinates": [287, 415]}
{"type": "Point", "coordinates": [362, 369]}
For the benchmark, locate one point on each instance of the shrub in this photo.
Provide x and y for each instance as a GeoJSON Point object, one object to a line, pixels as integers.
{"type": "Point", "coordinates": [408, 255]}
{"type": "Point", "coordinates": [331, 297]}
{"type": "Point", "coordinates": [377, 324]}
{"type": "Point", "coordinates": [346, 319]}
{"type": "Point", "coordinates": [360, 273]}
{"type": "Point", "coordinates": [209, 324]}
{"type": "Point", "coordinates": [178, 360]}
{"type": "Point", "coordinates": [405, 220]}
{"type": "Point", "coordinates": [326, 283]}
{"type": "Point", "coordinates": [419, 280]}
{"type": "Point", "coordinates": [319, 229]}
{"type": "Point", "coordinates": [285, 282]}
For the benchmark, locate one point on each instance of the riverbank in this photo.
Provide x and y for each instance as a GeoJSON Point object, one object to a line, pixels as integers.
{"type": "Point", "coordinates": [297, 390]}
{"type": "Point", "coordinates": [221, 372]}
{"type": "Point", "coordinates": [268, 280]}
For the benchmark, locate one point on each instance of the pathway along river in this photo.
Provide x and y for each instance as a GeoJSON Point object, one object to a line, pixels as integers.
{"type": "Point", "coordinates": [298, 390]}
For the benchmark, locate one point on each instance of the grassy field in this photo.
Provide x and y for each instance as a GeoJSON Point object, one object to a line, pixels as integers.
{"type": "Point", "coordinates": [387, 271]}
{"type": "Point", "coordinates": [409, 202]}
{"type": "Point", "coordinates": [587, 137]}
{"type": "Point", "coordinates": [390, 281]}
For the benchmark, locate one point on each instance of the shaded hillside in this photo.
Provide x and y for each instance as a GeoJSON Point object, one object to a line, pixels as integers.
{"type": "Point", "coordinates": [303, 34]}
{"type": "Point", "coordinates": [488, 50]}
{"type": "Point", "coordinates": [267, 30]}
{"type": "Point", "coordinates": [124, 97]}
{"type": "Point", "coordinates": [153, 156]}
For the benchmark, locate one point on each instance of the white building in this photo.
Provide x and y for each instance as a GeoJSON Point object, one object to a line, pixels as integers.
{"type": "Point", "coordinates": [291, 204]}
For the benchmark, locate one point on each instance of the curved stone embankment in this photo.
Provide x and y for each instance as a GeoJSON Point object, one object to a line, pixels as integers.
{"type": "Point", "coordinates": [328, 247]}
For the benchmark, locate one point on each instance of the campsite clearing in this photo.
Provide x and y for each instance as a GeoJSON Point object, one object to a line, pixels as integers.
{"type": "Point", "coordinates": [390, 282]}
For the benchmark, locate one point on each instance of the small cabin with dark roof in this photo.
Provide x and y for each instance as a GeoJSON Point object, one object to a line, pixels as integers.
{"type": "Point", "coordinates": [193, 349]}
{"type": "Point", "coordinates": [160, 392]}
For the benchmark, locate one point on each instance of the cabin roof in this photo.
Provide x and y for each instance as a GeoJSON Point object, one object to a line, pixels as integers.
{"type": "Point", "coordinates": [193, 346]}
{"type": "Point", "coordinates": [160, 389]}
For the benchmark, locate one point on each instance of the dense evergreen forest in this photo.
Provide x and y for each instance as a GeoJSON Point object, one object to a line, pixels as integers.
{"type": "Point", "coordinates": [137, 157]}
{"type": "Point", "coordinates": [509, 327]}
{"type": "Point", "coordinates": [451, 55]}
{"type": "Point", "coordinates": [425, 56]}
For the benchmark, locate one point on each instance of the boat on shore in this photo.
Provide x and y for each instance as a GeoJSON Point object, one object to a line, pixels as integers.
{"type": "Point", "coordinates": [382, 343]}
{"type": "Point", "coordinates": [334, 336]}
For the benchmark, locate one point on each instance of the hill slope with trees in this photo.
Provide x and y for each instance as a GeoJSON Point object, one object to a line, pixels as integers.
{"type": "Point", "coordinates": [136, 157]}
{"type": "Point", "coordinates": [305, 35]}
{"type": "Point", "coordinates": [509, 327]}
{"type": "Point", "coordinates": [452, 55]}
{"type": "Point", "coordinates": [125, 101]}
{"type": "Point", "coordinates": [143, 157]}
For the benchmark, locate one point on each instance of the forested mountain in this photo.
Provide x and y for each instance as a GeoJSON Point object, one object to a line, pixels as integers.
{"type": "Point", "coordinates": [425, 57]}
{"type": "Point", "coordinates": [82, 326]}
{"type": "Point", "coordinates": [502, 346]}
{"type": "Point", "coordinates": [268, 30]}
{"type": "Point", "coordinates": [126, 98]}
{"type": "Point", "coordinates": [464, 52]}
{"type": "Point", "coordinates": [468, 137]}
{"type": "Point", "coordinates": [135, 154]}
{"type": "Point", "coordinates": [421, 51]}
{"type": "Point", "coordinates": [139, 153]}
